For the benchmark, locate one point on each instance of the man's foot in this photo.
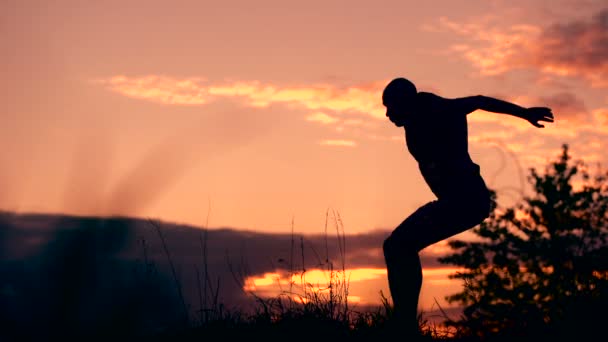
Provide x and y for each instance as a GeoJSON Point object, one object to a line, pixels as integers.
{"type": "Point", "coordinates": [402, 330]}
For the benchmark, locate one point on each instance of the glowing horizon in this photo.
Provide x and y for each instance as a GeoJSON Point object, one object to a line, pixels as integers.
{"type": "Point", "coordinates": [350, 281]}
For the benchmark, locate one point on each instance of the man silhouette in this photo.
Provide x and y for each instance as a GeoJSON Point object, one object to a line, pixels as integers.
{"type": "Point", "coordinates": [436, 136]}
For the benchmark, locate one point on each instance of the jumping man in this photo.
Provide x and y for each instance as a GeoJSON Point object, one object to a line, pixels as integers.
{"type": "Point", "coordinates": [436, 136]}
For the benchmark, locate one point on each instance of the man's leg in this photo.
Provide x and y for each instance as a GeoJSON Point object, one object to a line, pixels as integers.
{"type": "Point", "coordinates": [431, 223]}
{"type": "Point", "coordinates": [403, 265]}
{"type": "Point", "coordinates": [405, 280]}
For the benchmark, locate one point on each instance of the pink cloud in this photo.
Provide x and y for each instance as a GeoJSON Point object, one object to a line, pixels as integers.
{"type": "Point", "coordinates": [338, 142]}
{"type": "Point", "coordinates": [568, 105]}
{"type": "Point", "coordinates": [361, 99]}
{"type": "Point", "coordinates": [571, 115]}
{"type": "Point", "coordinates": [578, 48]}
{"type": "Point", "coordinates": [321, 118]}
{"type": "Point", "coordinates": [600, 116]}
{"type": "Point", "coordinates": [159, 89]}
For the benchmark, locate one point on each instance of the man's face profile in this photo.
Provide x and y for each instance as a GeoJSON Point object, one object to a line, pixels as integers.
{"type": "Point", "coordinates": [396, 111]}
{"type": "Point", "coordinates": [397, 97]}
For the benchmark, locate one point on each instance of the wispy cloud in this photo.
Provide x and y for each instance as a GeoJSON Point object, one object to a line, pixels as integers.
{"type": "Point", "coordinates": [601, 115]}
{"type": "Point", "coordinates": [571, 114]}
{"type": "Point", "coordinates": [321, 118]}
{"type": "Point", "coordinates": [352, 108]}
{"type": "Point", "coordinates": [159, 89]}
{"type": "Point", "coordinates": [360, 99]}
{"type": "Point", "coordinates": [358, 106]}
{"type": "Point", "coordinates": [338, 142]}
{"type": "Point", "coordinates": [576, 48]}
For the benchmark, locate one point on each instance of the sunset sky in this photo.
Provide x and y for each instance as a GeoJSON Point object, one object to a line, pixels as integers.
{"type": "Point", "coordinates": [262, 115]}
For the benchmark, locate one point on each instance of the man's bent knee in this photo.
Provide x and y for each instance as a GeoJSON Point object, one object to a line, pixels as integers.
{"type": "Point", "coordinates": [388, 247]}
{"type": "Point", "coordinates": [396, 248]}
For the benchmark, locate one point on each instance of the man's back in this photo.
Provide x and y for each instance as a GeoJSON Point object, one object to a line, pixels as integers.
{"type": "Point", "coordinates": [436, 135]}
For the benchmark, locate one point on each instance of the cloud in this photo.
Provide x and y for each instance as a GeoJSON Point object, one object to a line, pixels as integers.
{"type": "Point", "coordinates": [577, 48]}
{"type": "Point", "coordinates": [566, 105]}
{"type": "Point", "coordinates": [160, 89]}
{"type": "Point", "coordinates": [354, 122]}
{"type": "Point", "coordinates": [231, 261]}
{"type": "Point", "coordinates": [263, 252]}
{"type": "Point", "coordinates": [350, 108]}
{"type": "Point", "coordinates": [360, 99]}
{"type": "Point", "coordinates": [601, 116]}
{"type": "Point", "coordinates": [572, 117]}
{"type": "Point", "coordinates": [570, 111]}
{"type": "Point", "coordinates": [228, 255]}
{"type": "Point", "coordinates": [321, 118]}
{"type": "Point", "coordinates": [338, 142]}
{"type": "Point", "coordinates": [600, 124]}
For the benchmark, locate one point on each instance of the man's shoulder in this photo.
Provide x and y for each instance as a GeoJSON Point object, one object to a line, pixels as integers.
{"type": "Point", "coordinates": [438, 103]}
{"type": "Point", "coordinates": [428, 95]}
{"type": "Point", "coordinates": [431, 100]}
{"type": "Point", "coordinates": [431, 97]}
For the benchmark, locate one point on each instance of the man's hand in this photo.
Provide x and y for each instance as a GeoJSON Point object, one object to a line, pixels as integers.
{"type": "Point", "coordinates": [536, 114]}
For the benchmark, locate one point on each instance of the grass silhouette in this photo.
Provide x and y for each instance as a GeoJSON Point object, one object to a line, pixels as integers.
{"type": "Point", "coordinates": [301, 310]}
{"type": "Point", "coordinates": [304, 310]}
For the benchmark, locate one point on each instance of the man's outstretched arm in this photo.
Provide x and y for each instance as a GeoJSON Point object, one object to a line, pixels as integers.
{"type": "Point", "coordinates": [490, 104]}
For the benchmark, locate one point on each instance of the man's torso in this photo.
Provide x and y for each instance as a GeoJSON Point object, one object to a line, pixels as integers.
{"type": "Point", "coordinates": [437, 137]}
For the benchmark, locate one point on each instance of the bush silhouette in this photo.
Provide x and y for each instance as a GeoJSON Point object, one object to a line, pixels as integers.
{"type": "Point", "coordinates": [541, 266]}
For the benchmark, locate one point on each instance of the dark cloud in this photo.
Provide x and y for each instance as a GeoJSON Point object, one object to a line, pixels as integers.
{"type": "Point", "coordinates": [63, 277]}
{"type": "Point", "coordinates": [567, 105]}
{"type": "Point", "coordinates": [578, 44]}
{"type": "Point", "coordinates": [576, 48]}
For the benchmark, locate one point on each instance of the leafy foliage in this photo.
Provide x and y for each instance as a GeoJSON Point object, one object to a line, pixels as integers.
{"type": "Point", "coordinates": [542, 265]}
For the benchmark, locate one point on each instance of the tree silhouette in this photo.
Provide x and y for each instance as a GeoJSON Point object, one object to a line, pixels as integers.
{"type": "Point", "coordinates": [540, 266]}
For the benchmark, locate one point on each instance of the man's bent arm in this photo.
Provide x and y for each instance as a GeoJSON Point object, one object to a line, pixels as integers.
{"type": "Point", "coordinates": [491, 104]}
{"type": "Point", "coordinates": [470, 104]}
{"type": "Point", "coordinates": [533, 114]}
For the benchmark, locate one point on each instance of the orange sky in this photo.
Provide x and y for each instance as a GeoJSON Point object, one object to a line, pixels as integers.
{"type": "Point", "coordinates": [262, 115]}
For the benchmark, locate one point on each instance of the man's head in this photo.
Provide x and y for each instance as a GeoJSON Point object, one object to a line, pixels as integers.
{"type": "Point", "coordinates": [397, 97]}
